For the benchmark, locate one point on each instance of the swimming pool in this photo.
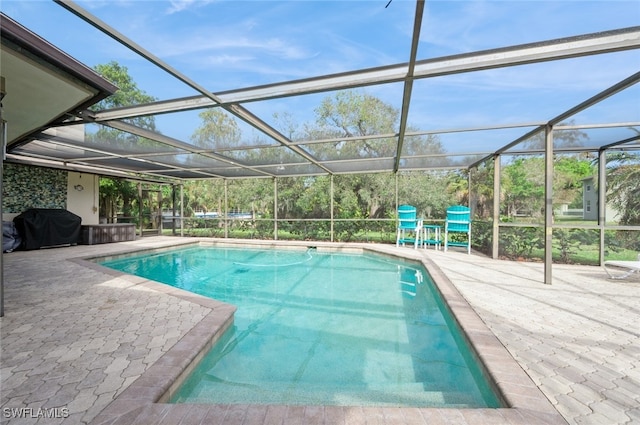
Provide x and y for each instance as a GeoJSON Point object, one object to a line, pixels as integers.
{"type": "Point", "coordinates": [321, 328]}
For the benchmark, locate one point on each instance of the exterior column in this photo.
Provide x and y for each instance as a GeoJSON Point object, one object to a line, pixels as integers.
{"type": "Point", "coordinates": [495, 238]}
{"type": "Point", "coordinates": [331, 233]}
{"type": "Point", "coordinates": [396, 175]}
{"type": "Point", "coordinates": [140, 202]}
{"type": "Point", "coordinates": [275, 208]}
{"type": "Point", "coordinates": [160, 220]}
{"type": "Point", "coordinates": [602, 200]}
{"type": "Point", "coordinates": [472, 205]}
{"type": "Point", "coordinates": [226, 209]}
{"type": "Point", "coordinates": [548, 203]}
{"type": "Point", "coordinates": [173, 209]}
{"type": "Point", "coordinates": [181, 209]}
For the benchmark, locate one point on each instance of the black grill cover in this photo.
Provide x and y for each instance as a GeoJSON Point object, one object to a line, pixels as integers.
{"type": "Point", "coordinates": [41, 227]}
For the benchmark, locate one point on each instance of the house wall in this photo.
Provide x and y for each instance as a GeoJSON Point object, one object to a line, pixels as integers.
{"type": "Point", "coordinates": [82, 196]}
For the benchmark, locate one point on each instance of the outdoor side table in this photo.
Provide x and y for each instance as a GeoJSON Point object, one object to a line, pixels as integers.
{"type": "Point", "coordinates": [431, 235]}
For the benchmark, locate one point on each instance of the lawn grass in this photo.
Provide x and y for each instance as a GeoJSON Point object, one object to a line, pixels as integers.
{"type": "Point", "coordinates": [587, 254]}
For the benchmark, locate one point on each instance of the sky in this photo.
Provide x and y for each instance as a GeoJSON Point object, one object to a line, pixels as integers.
{"type": "Point", "coordinates": [225, 45]}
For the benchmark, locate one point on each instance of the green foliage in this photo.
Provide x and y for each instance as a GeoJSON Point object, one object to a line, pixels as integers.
{"type": "Point", "coordinates": [482, 192]}
{"type": "Point", "coordinates": [364, 195]}
{"type": "Point", "coordinates": [128, 93]}
{"type": "Point", "coordinates": [519, 242]}
{"type": "Point", "coordinates": [569, 173]}
{"type": "Point", "coordinates": [290, 189]}
{"type": "Point", "coordinates": [570, 241]}
{"type": "Point", "coordinates": [314, 200]}
{"type": "Point", "coordinates": [561, 138]}
{"type": "Point", "coordinates": [346, 231]}
{"type": "Point", "coordinates": [523, 182]}
{"type": "Point", "coordinates": [430, 192]}
{"type": "Point", "coordinates": [621, 240]}
{"type": "Point", "coordinates": [523, 186]}
{"type": "Point", "coordinates": [623, 186]}
{"type": "Point", "coordinates": [482, 236]}
{"type": "Point", "coordinates": [219, 130]}
{"type": "Point", "coordinates": [567, 244]}
{"type": "Point", "coordinates": [118, 197]}
{"type": "Point", "coordinates": [264, 229]}
{"type": "Point", "coordinates": [352, 113]}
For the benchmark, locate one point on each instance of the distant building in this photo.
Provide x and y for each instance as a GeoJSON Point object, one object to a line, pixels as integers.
{"type": "Point", "coordinates": [590, 202]}
{"type": "Point", "coordinates": [589, 199]}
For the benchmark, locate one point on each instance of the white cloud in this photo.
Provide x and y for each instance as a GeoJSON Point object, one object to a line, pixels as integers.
{"type": "Point", "coordinates": [181, 5]}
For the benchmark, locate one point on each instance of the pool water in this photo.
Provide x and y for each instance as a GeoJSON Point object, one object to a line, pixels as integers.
{"type": "Point", "coordinates": [321, 328]}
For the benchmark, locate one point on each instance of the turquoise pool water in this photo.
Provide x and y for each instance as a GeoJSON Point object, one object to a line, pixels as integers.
{"type": "Point", "coordinates": [321, 328]}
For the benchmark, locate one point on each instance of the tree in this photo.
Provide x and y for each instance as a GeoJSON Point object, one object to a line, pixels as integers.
{"type": "Point", "coordinates": [569, 173]}
{"type": "Point", "coordinates": [523, 186]}
{"type": "Point", "coordinates": [561, 138]}
{"type": "Point", "coordinates": [203, 195]}
{"type": "Point", "coordinates": [128, 93]}
{"type": "Point", "coordinates": [523, 183]}
{"type": "Point", "coordinates": [482, 184]}
{"type": "Point", "coordinates": [116, 194]}
{"type": "Point", "coordinates": [218, 130]}
{"type": "Point", "coordinates": [357, 116]}
{"type": "Point", "coordinates": [349, 114]}
{"type": "Point", "coordinates": [623, 185]}
{"type": "Point", "coordinates": [429, 191]}
{"type": "Point", "coordinates": [352, 114]}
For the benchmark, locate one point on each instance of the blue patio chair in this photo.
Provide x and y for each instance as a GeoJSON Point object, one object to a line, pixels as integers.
{"type": "Point", "coordinates": [409, 226]}
{"type": "Point", "coordinates": [458, 221]}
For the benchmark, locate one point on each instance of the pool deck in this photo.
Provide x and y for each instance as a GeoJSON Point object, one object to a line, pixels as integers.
{"type": "Point", "coordinates": [89, 345]}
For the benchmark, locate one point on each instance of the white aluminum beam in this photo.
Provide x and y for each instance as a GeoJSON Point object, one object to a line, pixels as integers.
{"type": "Point", "coordinates": [408, 83]}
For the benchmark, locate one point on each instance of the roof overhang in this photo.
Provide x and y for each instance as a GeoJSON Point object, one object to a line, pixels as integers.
{"type": "Point", "coordinates": [43, 85]}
